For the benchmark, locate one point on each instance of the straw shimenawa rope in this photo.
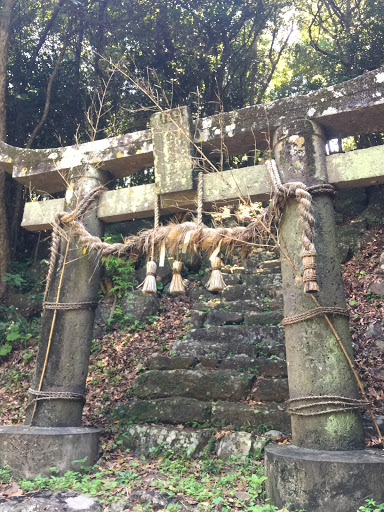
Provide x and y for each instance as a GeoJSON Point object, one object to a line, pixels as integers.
{"type": "Point", "coordinates": [173, 235]}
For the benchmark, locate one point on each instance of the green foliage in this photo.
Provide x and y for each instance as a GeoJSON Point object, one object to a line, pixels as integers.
{"type": "Point", "coordinates": [370, 506]}
{"type": "Point", "coordinates": [5, 475]}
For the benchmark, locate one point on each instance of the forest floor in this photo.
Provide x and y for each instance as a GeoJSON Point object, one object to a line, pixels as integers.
{"type": "Point", "coordinates": [119, 356]}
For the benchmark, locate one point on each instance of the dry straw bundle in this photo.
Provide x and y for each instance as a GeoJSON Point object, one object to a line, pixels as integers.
{"type": "Point", "coordinates": [177, 285]}
{"type": "Point", "coordinates": [216, 281]}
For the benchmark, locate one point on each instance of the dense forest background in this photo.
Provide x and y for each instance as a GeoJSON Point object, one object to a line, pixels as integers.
{"type": "Point", "coordinates": [60, 62]}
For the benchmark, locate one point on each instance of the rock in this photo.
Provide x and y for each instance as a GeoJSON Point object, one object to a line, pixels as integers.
{"type": "Point", "coordinates": [218, 317]}
{"type": "Point", "coordinates": [380, 345]}
{"type": "Point", "coordinates": [270, 390]}
{"type": "Point", "coordinates": [151, 439]}
{"type": "Point", "coordinates": [242, 443]}
{"type": "Point", "coordinates": [82, 502]}
{"type": "Point", "coordinates": [201, 385]}
{"type": "Point", "coordinates": [377, 287]}
{"type": "Point", "coordinates": [160, 362]}
{"type": "Point", "coordinates": [197, 318]}
{"type": "Point", "coordinates": [263, 317]}
{"type": "Point", "coordinates": [264, 335]}
{"type": "Point", "coordinates": [239, 292]}
{"type": "Point", "coordinates": [381, 261]}
{"type": "Point", "coordinates": [165, 410]}
{"type": "Point", "coordinates": [260, 365]}
{"type": "Point", "coordinates": [138, 306]}
{"type": "Point", "coordinates": [102, 313]}
{"type": "Point", "coordinates": [375, 330]}
{"type": "Point", "coordinates": [351, 202]}
{"type": "Point", "coordinates": [275, 415]}
{"type": "Point", "coordinates": [201, 294]}
{"type": "Point", "coordinates": [46, 501]}
{"type": "Point", "coordinates": [157, 500]}
{"type": "Point", "coordinates": [272, 265]}
{"type": "Point", "coordinates": [25, 306]}
{"type": "Point", "coordinates": [220, 351]}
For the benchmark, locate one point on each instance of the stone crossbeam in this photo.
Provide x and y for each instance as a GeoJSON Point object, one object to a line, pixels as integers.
{"type": "Point", "coordinates": [345, 170]}
{"type": "Point", "coordinates": [351, 108]}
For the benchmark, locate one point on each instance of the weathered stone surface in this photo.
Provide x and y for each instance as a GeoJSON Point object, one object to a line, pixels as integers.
{"type": "Point", "coordinates": [147, 438]}
{"type": "Point", "coordinates": [377, 287]}
{"type": "Point", "coordinates": [263, 317]}
{"type": "Point", "coordinates": [138, 306]}
{"type": "Point", "coordinates": [47, 501]}
{"type": "Point", "coordinates": [321, 481]}
{"type": "Point", "coordinates": [165, 410]}
{"type": "Point", "coordinates": [197, 318]}
{"type": "Point", "coordinates": [270, 390]}
{"type": "Point", "coordinates": [156, 500]}
{"type": "Point", "coordinates": [173, 150]}
{"type": "Point", "coordinates": [275, 415]}
{"type": "Point", "coordinates": [218, 385]}
{"type": "Point", "coordinates": [71, 340]}
{"type": "Point", "coordinates": [222, 350]}
{"type": "Point", "coordinates": [160, 362]}
{"type": "Point", "coordinates": [380, 345]}
{"type": "Point", "coordinates": [24, 305]}
{"type": "Point", "coordinates": [238, 334]}
{"type": "Point", "coordinates": [200, 294]}
{"type": "Point", "coordinates": [218, 317]}
{"type": "Point", "coordinates": [351, 203]}
{"type": "Point", "coordinates": [259, 365]}
{"type": "Point", "coordinates": [242, 443]}
{"type": "Point", "coordinates": [32, 451]}
{"type": "Point", "coordinates": [272, 265]}
{"type": "Point", "coordinates": [316, 366]}
{"type": "Point", "coordinates": [375, 330]}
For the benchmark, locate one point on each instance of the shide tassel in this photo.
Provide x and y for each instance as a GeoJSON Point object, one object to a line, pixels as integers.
{"type": "Point", "coordinates": [216, 282]}
{"type": "Point", "coordinates": [149, 285]}
{"type": "Point", "coordinates": [309, 275]}
{"type": "Point", "coordinates": [177, 285]}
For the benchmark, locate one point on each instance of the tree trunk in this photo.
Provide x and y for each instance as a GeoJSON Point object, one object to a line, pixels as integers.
{"type": "Point", "coordinates": [5, 22]}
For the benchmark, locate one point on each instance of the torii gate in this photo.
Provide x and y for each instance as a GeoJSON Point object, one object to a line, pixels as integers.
{"type": "Point", "coordinates": [327, 450]}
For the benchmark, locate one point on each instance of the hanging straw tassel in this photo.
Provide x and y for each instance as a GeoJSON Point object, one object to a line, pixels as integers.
{"type": "Point", "coordinates": [149, 285]}
{"type": "Point", "coordinates": [216, 281]}
{"type": "Point", "coordinates": [177, 285]}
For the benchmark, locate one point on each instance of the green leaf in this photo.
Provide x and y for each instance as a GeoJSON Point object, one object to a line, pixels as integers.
{"type": "Point", "coordinates": [5, 349]}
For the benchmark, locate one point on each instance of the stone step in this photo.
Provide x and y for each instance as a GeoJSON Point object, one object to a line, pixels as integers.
{"type": "Point", "coordinates": [198, 384]}
{"type": "Point", "coordinates": [248, 334]}
{"type": "Point", "coordinates": [173, 410]}
{"type": "Point", "coordinates": [152, 439]}
{"type": "Point", "coordinates": [222, 350]}
{"type": "Point", "coordinates": [259, 365]}
{"type": "Point", "coordinates": [223, 317]}
{"type": "Point", "coordinates": [162, 362]}
{"type": "Point", "coordinates": [239, 415]}
{"type": "Point", "coordinates": [263, 317]}
{"type": "Point", "coordinates": [270, 390]}
{"type": "Point", "coordinates": [187, 411]}
{"type": "Point", "coordinates": [267, 367]}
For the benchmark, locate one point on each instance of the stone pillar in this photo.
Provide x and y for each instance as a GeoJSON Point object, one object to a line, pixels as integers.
{"type": "Point", "coordinates": [316, 363]}
{"type": "Point", "coordinates": [68, 360]}
{"type": "Point", "coordinates": [326, 467]}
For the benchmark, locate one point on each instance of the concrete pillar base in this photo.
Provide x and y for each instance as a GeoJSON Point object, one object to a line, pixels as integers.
{"type": "Point", "coordinates": [322, 481]}
{"type": "Point", "coordinates": [32, 451]}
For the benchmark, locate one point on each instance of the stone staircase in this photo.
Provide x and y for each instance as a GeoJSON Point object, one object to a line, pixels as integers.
{"type": "Point", "coordinates": [229, 369]}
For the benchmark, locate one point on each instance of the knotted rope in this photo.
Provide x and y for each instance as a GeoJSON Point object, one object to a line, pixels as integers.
{"type": "Point", "coordinates": [343, 403]}
{"type": "Point", "coordinates": [313, 313]}
{"type": "Point", "coordinates": [304, 198]}
{"type": "Point", "coordinates": [53, 395]}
